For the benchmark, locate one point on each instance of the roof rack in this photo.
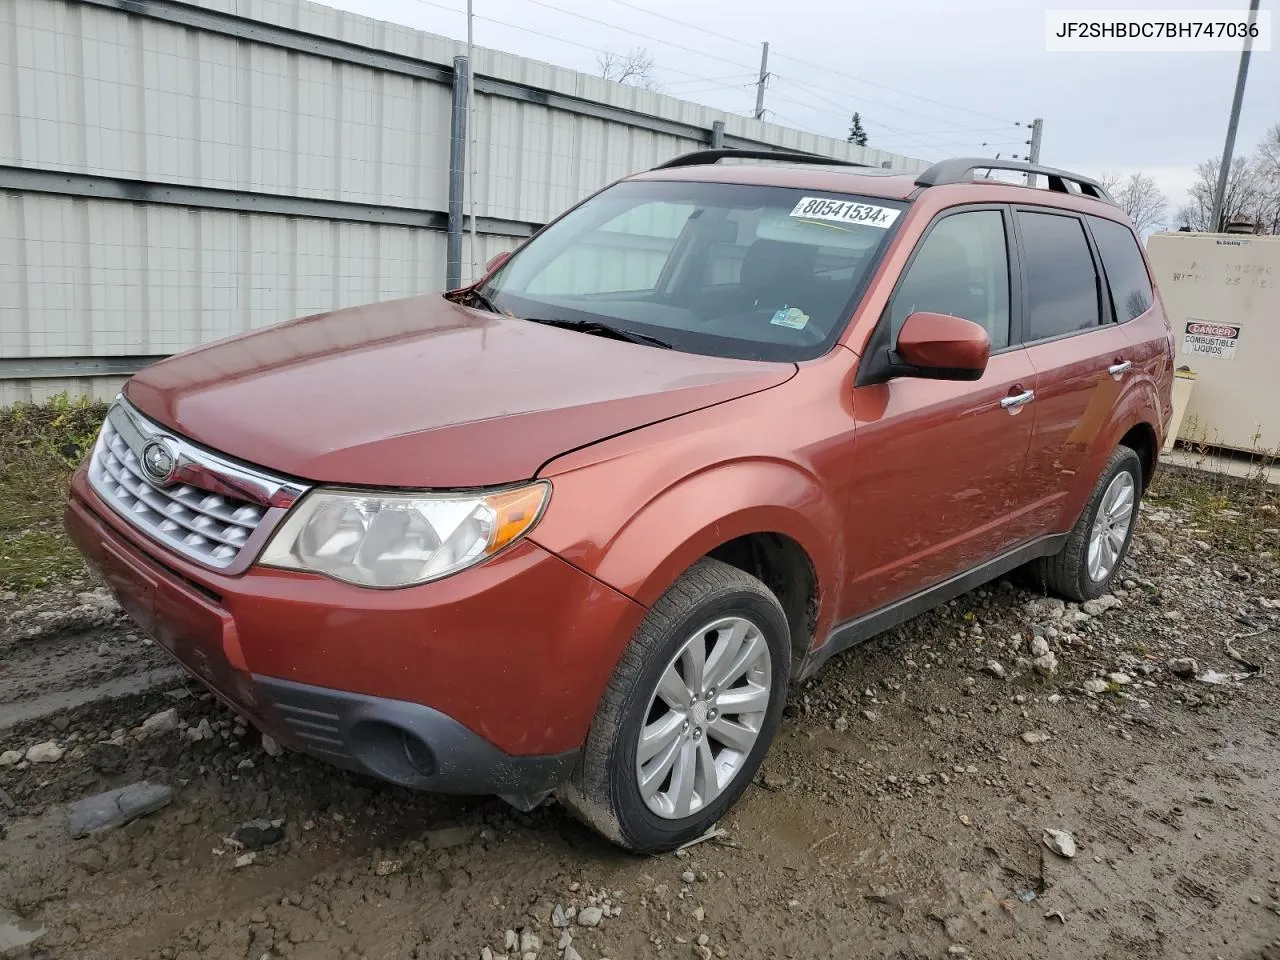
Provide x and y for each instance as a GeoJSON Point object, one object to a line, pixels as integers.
{"type": "Point", "coordinates": [699, 157]}
{"type": "Point", "coordinates": [961, 169]}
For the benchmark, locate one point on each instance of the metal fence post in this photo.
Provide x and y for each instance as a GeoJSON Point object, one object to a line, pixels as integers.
{"type": "Point", "coordinates": [457, 173]}
{"type": "Point", "coordinates": [717, 134]}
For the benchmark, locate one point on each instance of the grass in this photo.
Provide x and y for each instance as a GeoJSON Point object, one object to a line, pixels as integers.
{"type": "Point", "coordinates": [40, 446]}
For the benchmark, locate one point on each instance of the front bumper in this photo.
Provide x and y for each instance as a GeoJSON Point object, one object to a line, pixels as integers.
{"type": "Point", "coordinates": [484, 682]}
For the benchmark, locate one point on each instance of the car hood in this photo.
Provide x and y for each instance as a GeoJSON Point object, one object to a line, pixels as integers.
{"type": "Point", "coordinates": [426, 393]}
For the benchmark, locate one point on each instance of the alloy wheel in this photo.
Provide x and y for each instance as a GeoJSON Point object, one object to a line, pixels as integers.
{"type": "Point", "coordinates": [704, 717]}
{"type": "Point", "coordinates": [1111, 526]}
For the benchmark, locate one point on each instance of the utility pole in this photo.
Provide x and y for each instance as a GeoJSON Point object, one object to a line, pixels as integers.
{"type": "Point", "coordinates": [470, 155]}
{"type": "Point", "coordinates": [1229, 148]}
{"type": "Point", "coordinates": [764, 76]}
{"type": "Point", "coordinates": [1033, 155]}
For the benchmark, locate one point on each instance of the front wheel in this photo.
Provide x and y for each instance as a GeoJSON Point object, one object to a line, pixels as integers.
{"type": "Point", "coordinates": [1087, 564]}
{"type": "Point", "coordinates": [689, 713]}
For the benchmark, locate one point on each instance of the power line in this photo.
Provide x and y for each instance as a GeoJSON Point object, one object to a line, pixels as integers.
{"type": "Point", "coordinates": [818, 89]}
{"type": "Point", "coordinates": [922, 138]}
{"type": "Point", "coordinates": [583, 46]}
{"type": "Point", "coordinates": [634, 33]}
{"type": "Point", "coordinates": [807, 63]}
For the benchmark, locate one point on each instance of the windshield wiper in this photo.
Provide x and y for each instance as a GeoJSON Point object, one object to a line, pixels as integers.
{"type": "Point", "coordinates": [601, 329]}
{"type": "Point", "coordinates": [481, 299]}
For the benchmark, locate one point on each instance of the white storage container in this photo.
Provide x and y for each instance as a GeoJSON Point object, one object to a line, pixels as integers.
{"type": "Point", "coordinates": [1222, 295]}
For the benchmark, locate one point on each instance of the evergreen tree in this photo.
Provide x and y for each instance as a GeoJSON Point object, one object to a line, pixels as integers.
{"type": "Point", "coordinates": [857, 135]}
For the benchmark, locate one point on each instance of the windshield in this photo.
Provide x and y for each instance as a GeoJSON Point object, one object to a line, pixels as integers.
{"type": "Point", "coordinates": [731, 270]}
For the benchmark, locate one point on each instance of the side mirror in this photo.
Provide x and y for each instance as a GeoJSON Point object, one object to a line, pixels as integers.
{"type": "Point", "coordinates": [938, 346]}
{"type": "Point", "coordinates": [496, 261]}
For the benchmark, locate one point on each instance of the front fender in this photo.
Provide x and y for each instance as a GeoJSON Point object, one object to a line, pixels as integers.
{"type": "Point", "coordinates": [639, 542]}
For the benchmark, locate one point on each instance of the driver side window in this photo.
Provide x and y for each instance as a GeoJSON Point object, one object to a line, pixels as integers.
{"type": "Point", "coordinates": [961, 269]}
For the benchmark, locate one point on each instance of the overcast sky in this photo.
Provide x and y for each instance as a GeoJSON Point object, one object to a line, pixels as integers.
{"type": "Point", "coordinates": [930, 78]}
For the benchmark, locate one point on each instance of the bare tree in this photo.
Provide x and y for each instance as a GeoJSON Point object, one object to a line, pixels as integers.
{"type": "Point", "coordinates": [634, 68]}
{"type": "Point", "coordinates": [1267, 160]}
{"type": "Point", "coordinates": [1139, 197]}
{"type": "Point", "coordinates": [1246, 197]}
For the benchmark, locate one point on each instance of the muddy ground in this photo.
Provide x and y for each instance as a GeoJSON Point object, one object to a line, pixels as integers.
{"type": "Point", "coordinates": [900, 813]}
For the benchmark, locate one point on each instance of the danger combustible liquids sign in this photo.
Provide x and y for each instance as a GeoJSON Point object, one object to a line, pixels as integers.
{"type": "Point", "coordinates": [1211, 339]}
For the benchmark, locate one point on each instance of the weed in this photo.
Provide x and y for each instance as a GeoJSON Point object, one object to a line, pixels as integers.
{"type": "Point", "coordinates": [40, 446]}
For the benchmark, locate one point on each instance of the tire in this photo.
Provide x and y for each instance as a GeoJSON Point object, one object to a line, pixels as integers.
{"type": "Point", "coordinates": [1067, 573]}
{"type": "Point", "coordinates": [604, 790]}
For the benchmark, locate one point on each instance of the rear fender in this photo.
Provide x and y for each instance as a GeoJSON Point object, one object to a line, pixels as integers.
{"type": "Point", "coordinates": [1137, 405]}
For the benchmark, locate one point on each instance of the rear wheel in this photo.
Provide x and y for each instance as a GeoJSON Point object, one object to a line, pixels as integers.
{"type": "Point", "coordinates": [1087, 564]}
{"type": "Point", "coordinates": [689, 712]}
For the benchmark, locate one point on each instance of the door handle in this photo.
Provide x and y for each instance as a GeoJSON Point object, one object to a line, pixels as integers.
{"type": "Point", "coordinates": [1018, 399]}
{"type": "Point", "coordinates": [1121, 368]}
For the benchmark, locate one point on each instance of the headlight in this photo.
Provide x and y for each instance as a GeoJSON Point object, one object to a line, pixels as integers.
{"type": "Point", "coordinates": [400, 539]}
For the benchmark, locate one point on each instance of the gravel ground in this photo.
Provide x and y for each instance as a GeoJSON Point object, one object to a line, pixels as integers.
{"type": "Point", "coordinates": [901, 813]}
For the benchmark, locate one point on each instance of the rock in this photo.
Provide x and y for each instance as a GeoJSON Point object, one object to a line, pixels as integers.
{"type": "Point", "coordinates": [485, 954]}
{"type": "Point", "coordinates": [995, 668]}
{"type": "Point", "coordinates": [1047, 665]}
{"type": "Point", "coordinates": [590, 916]}
{"type": "Point", "coordinates": [166, 721]}
{"type": "Point", "coordinates": [530, 942]}
{"type": "Point", "coordinates": [566, 938]}
{"type": "Point", "coordinates": [871, 716]}
{"type": "Point", "coordinates": [245, 860]}
{"type": "Point", "coordinates": [47, 752]}
{"type": "Point", "coordinates": [512, 941]}
{"type": "Point", "coordinates": [1038, 646]}
{"type": "Point", "coordinates": [688, 876]}
{"type": "Point", "coordinates": [1119, 679]}
{"type": "Point", "coordinates": [698, 914]}
{"type": "Point", "coordinates": [1099, 606]}
{"type": "Point", "coordinates": [1184, 667]}
{"type": "Point", "coordinates": [259, 833]}
{"type": "Point", "coordinates": [270, 747]}
{"type": "Point", "coordinates": [202, 731]}
{"type": "Point", "coordinates": [106, 757]}
{"type": "Point", "coordinates": [385, 868]}
{"type": "Point", "coordinates": [558, 917]}
{"type": "Point", "coordinates": [115, 808]}
{"type": "Point", "coordinates": [570, 953]}
{"type": "Point", "coordinates": [774, 781]}
{"type": "Point", "coordinates": [1095, 685]}
{"type": "Point", "coordinates": [1060, 842]}
{"type": "Point", "coordinates": [1036, 736]}
{"type": "Point", "coordinates": [841, 725]}
{"type": "Point", "coordinates": [10, 757]}
{"type": "Point", "coordinates": [447, 837]}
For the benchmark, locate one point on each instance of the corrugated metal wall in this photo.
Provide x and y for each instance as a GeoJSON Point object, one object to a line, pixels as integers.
{"type": "Point", "coordinates": [172, 174]}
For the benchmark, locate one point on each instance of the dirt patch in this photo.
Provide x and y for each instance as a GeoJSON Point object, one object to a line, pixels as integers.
{"type": "Point", "coordinates": [900, 813]}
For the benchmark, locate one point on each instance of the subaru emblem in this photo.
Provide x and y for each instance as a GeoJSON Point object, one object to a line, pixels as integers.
{"type": "Point", "coordinates": [159, 462]}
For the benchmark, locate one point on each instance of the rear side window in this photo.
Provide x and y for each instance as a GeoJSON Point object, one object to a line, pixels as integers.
{"type": "Point", "coordinates": [1062, 283]}
{"type": "Point", "coordinates": [1126, 273]}
{"type": "Point", "coordinates": [961, 269]}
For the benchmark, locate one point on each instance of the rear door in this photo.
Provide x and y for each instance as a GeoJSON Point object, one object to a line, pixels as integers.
{"type": "Point", "coordinates": [1080, 355]}
{"type": "Point", "coordinates": [939, 485]}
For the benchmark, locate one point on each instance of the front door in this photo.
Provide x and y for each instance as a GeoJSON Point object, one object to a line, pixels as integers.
{"type": "Point", "coordinates": [941, 464]}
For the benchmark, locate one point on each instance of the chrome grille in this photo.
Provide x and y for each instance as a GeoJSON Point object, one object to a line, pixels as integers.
{"type": "Point", "coordinates": [207, 526]}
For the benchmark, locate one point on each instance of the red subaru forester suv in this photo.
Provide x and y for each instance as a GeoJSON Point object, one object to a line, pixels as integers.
{"type": "Point", "coordinates": [580, 526]}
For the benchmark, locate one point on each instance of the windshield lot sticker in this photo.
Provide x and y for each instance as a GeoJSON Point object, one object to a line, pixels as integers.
{"type": "Point", "coordinates": [791, 317]}
{"type": "Point", "coordinates": [844, 211]}
{"type": "Point", "coordinates": [1211, 339]}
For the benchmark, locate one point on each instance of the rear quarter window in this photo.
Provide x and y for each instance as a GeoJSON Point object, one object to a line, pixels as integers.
{"type": "Point", "coordinates": [1126, 272]}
